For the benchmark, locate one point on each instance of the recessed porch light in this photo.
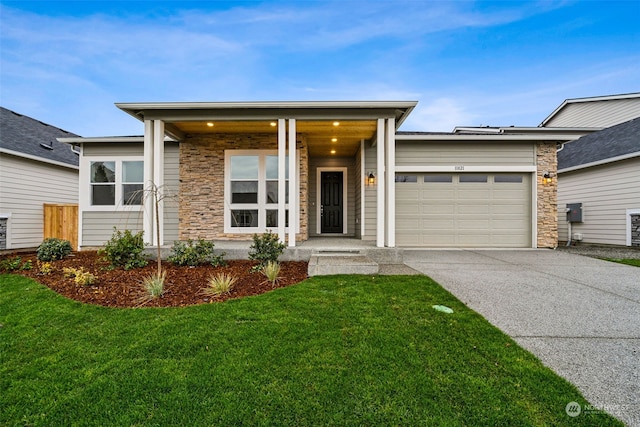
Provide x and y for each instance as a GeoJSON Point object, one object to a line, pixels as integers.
{"type": "Point", "coordinates": [334, 139]}
{"type": "Point", "coordinates": [273, 124]}
{"type": "Point", "coordinates": [336, 123]}
{"type": "Point", "coordinates": [210, 124]}
{"type": "Point", "coordinates": [333, 151]}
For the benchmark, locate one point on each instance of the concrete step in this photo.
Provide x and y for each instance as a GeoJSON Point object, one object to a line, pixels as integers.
{"type": "Point", "coordinates": [328, 263]}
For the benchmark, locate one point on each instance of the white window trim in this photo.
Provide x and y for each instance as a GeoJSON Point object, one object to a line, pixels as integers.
{"type": "Point", "coordinates": [629, 213]}
{"type": "Point", "coordinates": [261, 205]}
{"type": "Point", "coordinates": [7, 216]}
{"type": "Point", "coordinates": [345, 199]}
{"type": "Point", "coordinates": [85, 184]}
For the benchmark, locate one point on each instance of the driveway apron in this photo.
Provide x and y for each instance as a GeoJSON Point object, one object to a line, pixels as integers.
{"type": "Point", "coordinates": [580, 316]}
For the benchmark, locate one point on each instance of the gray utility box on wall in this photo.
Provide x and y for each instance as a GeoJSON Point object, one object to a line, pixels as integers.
{"type": "Point", "coordinates": [574, 212]}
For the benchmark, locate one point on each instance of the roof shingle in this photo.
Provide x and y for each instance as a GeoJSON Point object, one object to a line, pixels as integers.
{"type": "Point", "coordinates": [29, 136]}
{"type": "Point", "coordinates": [606, 144]}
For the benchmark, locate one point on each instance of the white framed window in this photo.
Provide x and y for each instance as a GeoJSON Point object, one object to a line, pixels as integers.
{"type": "Point", "coordinates": [111, 184]}
{"type": "Point", "coordinates": [251, 191]}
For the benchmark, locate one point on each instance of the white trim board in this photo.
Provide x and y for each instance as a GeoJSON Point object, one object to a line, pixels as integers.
{"type": "Point", "coordinates": [629, 213]}
{"type": "Point", "coordinates": [345, 199]}
{"type": "Point", "coordinates": [466, 168]}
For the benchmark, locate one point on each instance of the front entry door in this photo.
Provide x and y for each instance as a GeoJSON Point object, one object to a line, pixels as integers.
{"type": "Point", "coordinates": [331, 202]}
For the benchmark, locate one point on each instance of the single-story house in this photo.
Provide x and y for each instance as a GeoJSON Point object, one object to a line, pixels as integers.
{"type": "Point", "coordinates": [35, 168]}
{"type": "Point", "coordinates": [601, 173]}
{"type": "Point", "coordinates": [314, 169]}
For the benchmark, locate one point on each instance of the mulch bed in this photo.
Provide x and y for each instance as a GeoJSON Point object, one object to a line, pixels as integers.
{"type": "Point", "coordinates": [120, 288]}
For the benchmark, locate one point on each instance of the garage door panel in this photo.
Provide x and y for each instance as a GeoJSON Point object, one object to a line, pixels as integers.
{"type": "Point", "coordinates": [435, 223]}
{"type": "Point", "coordinates": [477, 193]}
{"type": "Point", "coordinates": [430, 209]}
{"type": "Point", "coordinates": [467, 214]}
{"type": "Point", "coordinates": [472, 209]}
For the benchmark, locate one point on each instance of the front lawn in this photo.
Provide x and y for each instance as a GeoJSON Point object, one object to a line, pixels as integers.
{"type": "Point", "coordinates": [628, 261]}
{"type": "Point", "coordinates": [338, 350]}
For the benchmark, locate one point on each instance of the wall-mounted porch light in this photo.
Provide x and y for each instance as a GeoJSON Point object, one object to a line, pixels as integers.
{"type": "Point", "coordinates": [371, 179]}
{"type": "Point", "coordinates": [547, 178]}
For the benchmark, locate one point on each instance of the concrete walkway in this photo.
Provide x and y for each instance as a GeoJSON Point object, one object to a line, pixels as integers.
{"type": "Point", "coordinates": [579, 315]}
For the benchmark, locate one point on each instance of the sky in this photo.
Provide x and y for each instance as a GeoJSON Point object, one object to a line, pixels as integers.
{"type": "Point", "coordinates": [467, 63]}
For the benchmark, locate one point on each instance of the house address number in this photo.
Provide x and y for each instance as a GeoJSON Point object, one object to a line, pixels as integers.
{"type": "Point", "coordinates": [458, 168]}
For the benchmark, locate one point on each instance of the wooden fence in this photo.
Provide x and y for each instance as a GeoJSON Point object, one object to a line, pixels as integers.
{"type": "Point", "coordinates": [61, 221]}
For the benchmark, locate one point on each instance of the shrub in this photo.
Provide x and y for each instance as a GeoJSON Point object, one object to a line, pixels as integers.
{"type": "Point", "coordinates": [192, 254]}
{"type": "Point", "coordinates": [153, 286]}
{"type": "Point", "coordinates": [85, 278]}
{"type": "Point", "coordinates": [265, 248]}
{"type": "Point", "coordinates": [80, 277]}
{"type": "Point", "coordinates": [45, 267]}
{"type": "Point", "coordinates": [13, 264]}
{"type": "Point", "coordinates": [220, 284]}
{"type": "Point", "coordinates": [53, 248]}
{"type": "Point", "coordinates": [271, 271]}
{"type": "Point", "coordinates": [124, 250]}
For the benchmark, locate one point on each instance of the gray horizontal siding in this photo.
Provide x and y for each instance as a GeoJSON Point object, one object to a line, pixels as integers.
{"type": "Point", "coordinates": [596, 113]}
{"type": "Point", "coordinates": [25, 185]}
{"type": "Point", "coordinates": [97, 227]}
{"type": "Point", "coordinates": [606, 192]}
{"type": "Point", "coordinates": [171, 182]}
{"type": "Point", "coordinates": [412, 153]}
{"type": "Point", "coordinates": [370, 194]}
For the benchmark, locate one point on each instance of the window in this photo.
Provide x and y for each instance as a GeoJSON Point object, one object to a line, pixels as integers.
{"type": "Point", "coordinates": [132, 182]}
{"type": "Point", "coordinates": [406, 178]}
{"type": "Point", "coordinates": [473, 178]}
{"type": "Point", "coordinates": [252, 192]}
{"type": "Point", "coordinates": [116, 183]}
{"type": "Point", "coordinates": [103, 183]}
{"type": "Point", "coordinates": [438, 178]}
{"type": "Point", "coordinates": [508, 178]}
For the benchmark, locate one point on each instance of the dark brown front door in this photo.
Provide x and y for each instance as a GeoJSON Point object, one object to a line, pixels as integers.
{"type": "Point", "coordinates": [331, 202]}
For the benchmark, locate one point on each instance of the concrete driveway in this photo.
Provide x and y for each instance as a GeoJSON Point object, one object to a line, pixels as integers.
{"type": "Point", "coordinates": [579, 315]}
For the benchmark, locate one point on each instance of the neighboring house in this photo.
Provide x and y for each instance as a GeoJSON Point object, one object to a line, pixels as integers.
{"type": "Point", "coordinates": [601, 171]}
{"type": "Point", "coordinates": [352, 175]}
{"type": "Point", "coordinates": [597, 111]}
{"type": "Point", "coordinates": [35, 169]}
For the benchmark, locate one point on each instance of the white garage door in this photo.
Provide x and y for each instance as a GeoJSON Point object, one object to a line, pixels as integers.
{"type": "Point", "coordinates": [463, 210]}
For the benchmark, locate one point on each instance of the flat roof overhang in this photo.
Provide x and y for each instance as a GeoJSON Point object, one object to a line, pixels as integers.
{"type": "Point", "coordinates": [315, 119]}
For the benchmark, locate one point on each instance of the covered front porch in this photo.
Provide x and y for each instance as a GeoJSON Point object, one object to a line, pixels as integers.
{"type": "Point", "coordinates": [235, 163]}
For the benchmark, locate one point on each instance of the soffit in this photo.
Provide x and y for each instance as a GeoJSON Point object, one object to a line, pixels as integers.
{"type": "Point", "coordinates": [319, 134]}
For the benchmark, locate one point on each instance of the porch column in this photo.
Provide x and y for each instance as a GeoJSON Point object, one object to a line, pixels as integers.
{"type": "Point", "coordinates": [147, 197]}
{"type": "Point", "coordinates": [380, 205]}
{"type": "Point", "coordinates": [282, 152]}
{"type": "Point", "coordinates": [390, 144]}
{"type": "Point", "coordinates": [158, 179]}
{"type": "Point", "coordinates": [293, 184]}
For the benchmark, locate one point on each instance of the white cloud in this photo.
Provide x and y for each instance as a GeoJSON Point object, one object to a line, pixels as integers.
{"type": "Point", "coordinates": [438, 115]}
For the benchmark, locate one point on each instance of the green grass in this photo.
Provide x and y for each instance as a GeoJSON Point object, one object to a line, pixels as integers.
{"type": "Point", "coordinates": [340, 350]}
{"type": "Point", "coordinates": [628, 261]}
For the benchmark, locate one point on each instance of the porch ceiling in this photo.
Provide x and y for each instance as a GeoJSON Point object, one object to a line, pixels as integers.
{"type": "Point", "coordinates": [320, 134]}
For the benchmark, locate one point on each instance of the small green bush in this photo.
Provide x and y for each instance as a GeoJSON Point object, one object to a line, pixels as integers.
{"type": "Point", "coordinates": [53, 248]}
{"type": "Point", "coordinates": [13, 264]}
{"type": "Point", "coordinates": [265, 248]}
{"type": "Point", "coordinates": [192, 254]}
{"type": "Point", "coordinates": [124, 249]}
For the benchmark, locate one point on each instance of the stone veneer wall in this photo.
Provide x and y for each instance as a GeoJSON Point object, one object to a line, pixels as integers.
{"type": "Point", "coordinates": [546, 161]}
{"type": "Point", "coordinates": [201, 211]}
